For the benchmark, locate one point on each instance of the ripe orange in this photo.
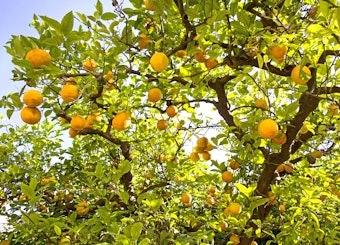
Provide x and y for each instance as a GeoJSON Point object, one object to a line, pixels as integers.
{"type": "Point", "coordinates": [181, 53]}
{"type": "Point", "coordinates": [72, 132]}
{"type": "Point", "coordinates": [227, 176]}
{"type": "Point", "coordinates": [83, 208]}
{"type": "Point", "coordinates": [89, 64]}
{"type": "Point", "coordinates": [282, 208]}
{"type": "Point", "coordinates": [77, 122]}
{"type": "Point", "coordinates": [226, 211]}
{"type": "Point", "coordinates": [121, 121]}
{"type": "Point", "coordinates": [172, 111]}
{"type": "Point", "coordinates": [210, 63]}
{"type": "Point", "coordinates": [202, 142]}
{"type": "Point", "coordinates": [261, 103]}
{"type": "Point", "coordinates": [278, 52]}
{"type": "Point", "coordinates": [206, 155]}
{"type": "Point", "coordinates": [223, 225]}
{"type": "Point", "coordinates": [144, 41]}
{"type": "Point", "coordinates": [234, 165]}
{"type": "Point", "coordinates": [69, 92]}
{"type": "Point", "coordinates": [317, 154]}
{"type": "Point", "coordinates": [280, 168]}
{"type": "Point", "coordinates": [108, 75]}
{"type": "Point", "coordinates": [159, 61]}
{"type": "Point", "coordinates": [200, 57]}
{"type": "Point", "coordinates": [30, 115]}
{"type": "Point", "coordinates": [186, 198]}
{"type": "Point", "coordinates": [296, 74]}
{"type": "Point", "coordinates": [194, 156]}
{"type": "Point", "coordinates": [154, 95]}
{"type": "Point", "coordinates": [253, 243]}
{"type": "Point", "coordinates": [33, 98]}
{"type": "Point", "coordinates": [235, 239]}
{"type": "Point", "coordinates": [280, 138]}
{"type": "Point", "coordinates": [235, 208]}
{"type": "Point", "coordinates": [333, 109]}
{"type": "Point", "coordinates": [288, 168]}
{"type": "Point", "coordinates": [162, 124]}
{"type": "Point", "coordinates": [149, 5]}
{"type": "Point", "coordinates": [268, 129]}
{"type": "Point", "coordinates": [89, 121]}
{"type": "Point", "coordinates": [38, 57]}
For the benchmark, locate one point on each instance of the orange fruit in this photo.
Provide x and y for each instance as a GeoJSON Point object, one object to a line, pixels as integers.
{"type": "Point", "coordinates": [121, 121]}
{"type": "Point", "coordinates": [235, 208]}
{"type": "Point", "coordinates": [83, 208]}
{"type": "Point", "coordinates": [33, 98]}
{"type": "Point", "coordinates": [280, 168]}
{"type": "Point", "coordinates": [235, 239]}
{"type": "Point", "coordinates": [282, 208]}
{"type": "Point", "coordinates": [261, 103]}
{"type": "Point", "coordinates": [206, 155]}
{"type": "Point", "coordinates": [226, 211]}
{"type": "Point", "coordinates": [210, 63]}
{"type": "Point", "coordinates": [227, 176]}
{"type": "Point", "coordinates": [223, 225]}
{"type": "Point", "coordinates": [72, 132]}
{"type": "Point", "coordinates": [38, 57]}
{"type": "Point", "coordinates": [234, 165]}
{"type": "Point", "coordinates": [149, 5]}
{"type": "Point", "coordinates": [202, 142]}
{"type": "Point", "coordinates": [289, 168]}
{"type": "Point", "coordinates": [159, 61]}
{"type": "Point", "coordinates": [181, 53]}
{"type": "Point", "coordinates": [268, 129]}
{"type": "Point", "coordinates": [194, 156]}
{"type": "Point", "coordinates": [89, 64]}
{"type": "Point", "coordinates": [280, 138]}
{"type": "Point", "coordinates": [63, 120]}
{"type": "Point", "coordinates": [253, 243]}
{"type": "Point", "coordinates": [77, 122]}
{"type": "Point", "coordinates": [200, 57]}
{"type": "Point", "coordinates": [162, 124]}
{"type": "Point", "coordinates": [171, 111]}
{"type": "Point", "coordinates": [89, 121]}
{"type": "Point", "coordinates": [154, 95]}
{"type": "Point", "coordinates": [333, 109]}
{"type": "Point", "coordinates": [69, 92]}
{"type": "Point", "coordinates": [186, 198]}
{"type": "Point", "coordinates": [30, 115]}
{"type": "Point", "coordinates": [317, 154]}
{"type": "Point", "coordinates": [278, 52]}
{"type": "Point", "coordinates": [144, 41]}
{"type": "Point", "coordinates": [296, 74]}
{"type": "Point", "coordinates": [108, 75]}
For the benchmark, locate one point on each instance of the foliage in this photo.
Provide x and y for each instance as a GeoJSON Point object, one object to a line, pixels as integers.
{"type": "Point", "coordinates": [133, 179]}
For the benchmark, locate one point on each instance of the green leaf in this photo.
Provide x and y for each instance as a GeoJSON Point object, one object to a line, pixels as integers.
{"type": "Point", "coordinates": [67, 23]}
{"type": "Point", "coordinates": [99, 7]}
{"type": "Point", "coordinates": [52, 23]}
{"type": "Point", "coordinates": [244, 190]}
{"type": "Point", "coordinates": [124, 196]}
{"type": "Point", "coordinates": [136, 230]}
{"type": "Point", "coordinates": [57, 230]}
{"type": "Point", "coordinates": [124, 167]}
{"type": "Point", "coordinates": [9, 113]}
{"type": "Point", "coordinates": [27, 190]}
{"type": "Point", "coordinates": [108, 16]}
{"type": "Point", "coordinates": [145, 241]}
{"type": "Point", "coordinates": [16, 100]}
{"type": "Point", "coordinates": [258, 203]}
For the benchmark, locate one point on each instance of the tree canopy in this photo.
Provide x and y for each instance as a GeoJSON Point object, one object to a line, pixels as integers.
{"type": "Point", "coordinates": [175, 122]}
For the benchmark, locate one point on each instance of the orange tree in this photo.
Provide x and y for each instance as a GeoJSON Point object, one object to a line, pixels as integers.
{"type": "Point", "coordinates": [192, 122]}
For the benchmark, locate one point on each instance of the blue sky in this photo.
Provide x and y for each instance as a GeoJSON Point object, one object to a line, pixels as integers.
{"type": "Point", "coordinates": [16, 15]}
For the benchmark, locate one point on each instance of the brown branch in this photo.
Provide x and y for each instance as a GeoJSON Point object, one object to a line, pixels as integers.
{"type": "Point", "coordinates": [326, 53]}
{"type": "Point", "coordinates": [152, 187]}
{"type": "Point", "coordinates": [327, 90]}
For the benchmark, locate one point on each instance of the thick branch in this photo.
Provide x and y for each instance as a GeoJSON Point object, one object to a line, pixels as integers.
{"type": "Point", "coordinates": [327, 90]}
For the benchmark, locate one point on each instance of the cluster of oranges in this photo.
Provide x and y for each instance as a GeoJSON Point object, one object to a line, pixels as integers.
{"type": "Point", "coordinates": [203, 146]}
{"type": "Point", "coordinates": [30, 113]}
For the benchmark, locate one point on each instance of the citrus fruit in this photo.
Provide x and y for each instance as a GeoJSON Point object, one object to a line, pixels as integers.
{"type": "Point", "coordinates": [33, 98]}
{"type": "Point", "coordinates": [227, 176]}
{"type": "Point", "coordinates": [65, 240]}
{"type": "Point", "coordinates": [317, 154]}
{"type": "Point", "coordinates": [108, 75]}
{"type": "Point", "coordinates": [38, 57]}
{"type": "Point", "coordinates": [172, 111]}
{"type": "Point", "coordinates": [159, 61]}
{"type": "Point", "coordinates": [278, 52]}
{"type": "Point", "coordinates": [210, 63]}
{"type": "Point", "coordinates": [235, 239]}
{"type": "Point", "coordinates": [83, 208]}
{"type": "Point", "coordinates": [72, 132]}
{"type": "Point", "coordinates": [223, 225]}
{"type": "Point", "coordinates": [149, 5]}
{"type": "Point", "coordinates": [282, 208]}
{"type": "Point", "coordinates": [289, 168]}
{"type": "Point", "coordinates": [89, 121]}
{"type": "Point", "coordinates": [186, 198]}
{"type": "Point", "coordinates": [333, 109]}
{"type": "Point", "coordinates": [261, 103]}
{"type": "Point", "coordinates": [280, 168]}
{"type": "Point", "coordinates": [69, 92]}
{"type": "Point", "coordinates": [296, 74]}
{"type": "Point", "coordinates": [89, 64]}
{"type": "Point", "coordinates": [154, 95]}
{"type": "Point", "coordinates": [181, 53]}
{"type": "Point", "coordinates": [121, 121]}
{"type": "Point", "coordinates": [202, 142]}
{"type": "Point", "coordinates": [234, 165]}
{"type": "Point", "coordinates": [30, 115]}
{"type": "Point", "coordinates": [268, 129]}
{"type": "Point", "coordinates": [144, 41]}
{"type": "Point", "coordinates": [162, 124]}
{"type": "Point", "coordinates": [304, 128]}
{"type": "Point", "coordinates": [226, 211]}
{"type": "Point", "coordinates": [235, 208]}
{"type": "Point", "coordinates": [199, 56]}
{"type": "Point", "coordinates": [206, 155]}
{"type": "Point", "coordinates": [280, 138]}
{"type": "Point", "coordinates": [194, 156]}
{"type": "Point", "coordinates": [78, 122]}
